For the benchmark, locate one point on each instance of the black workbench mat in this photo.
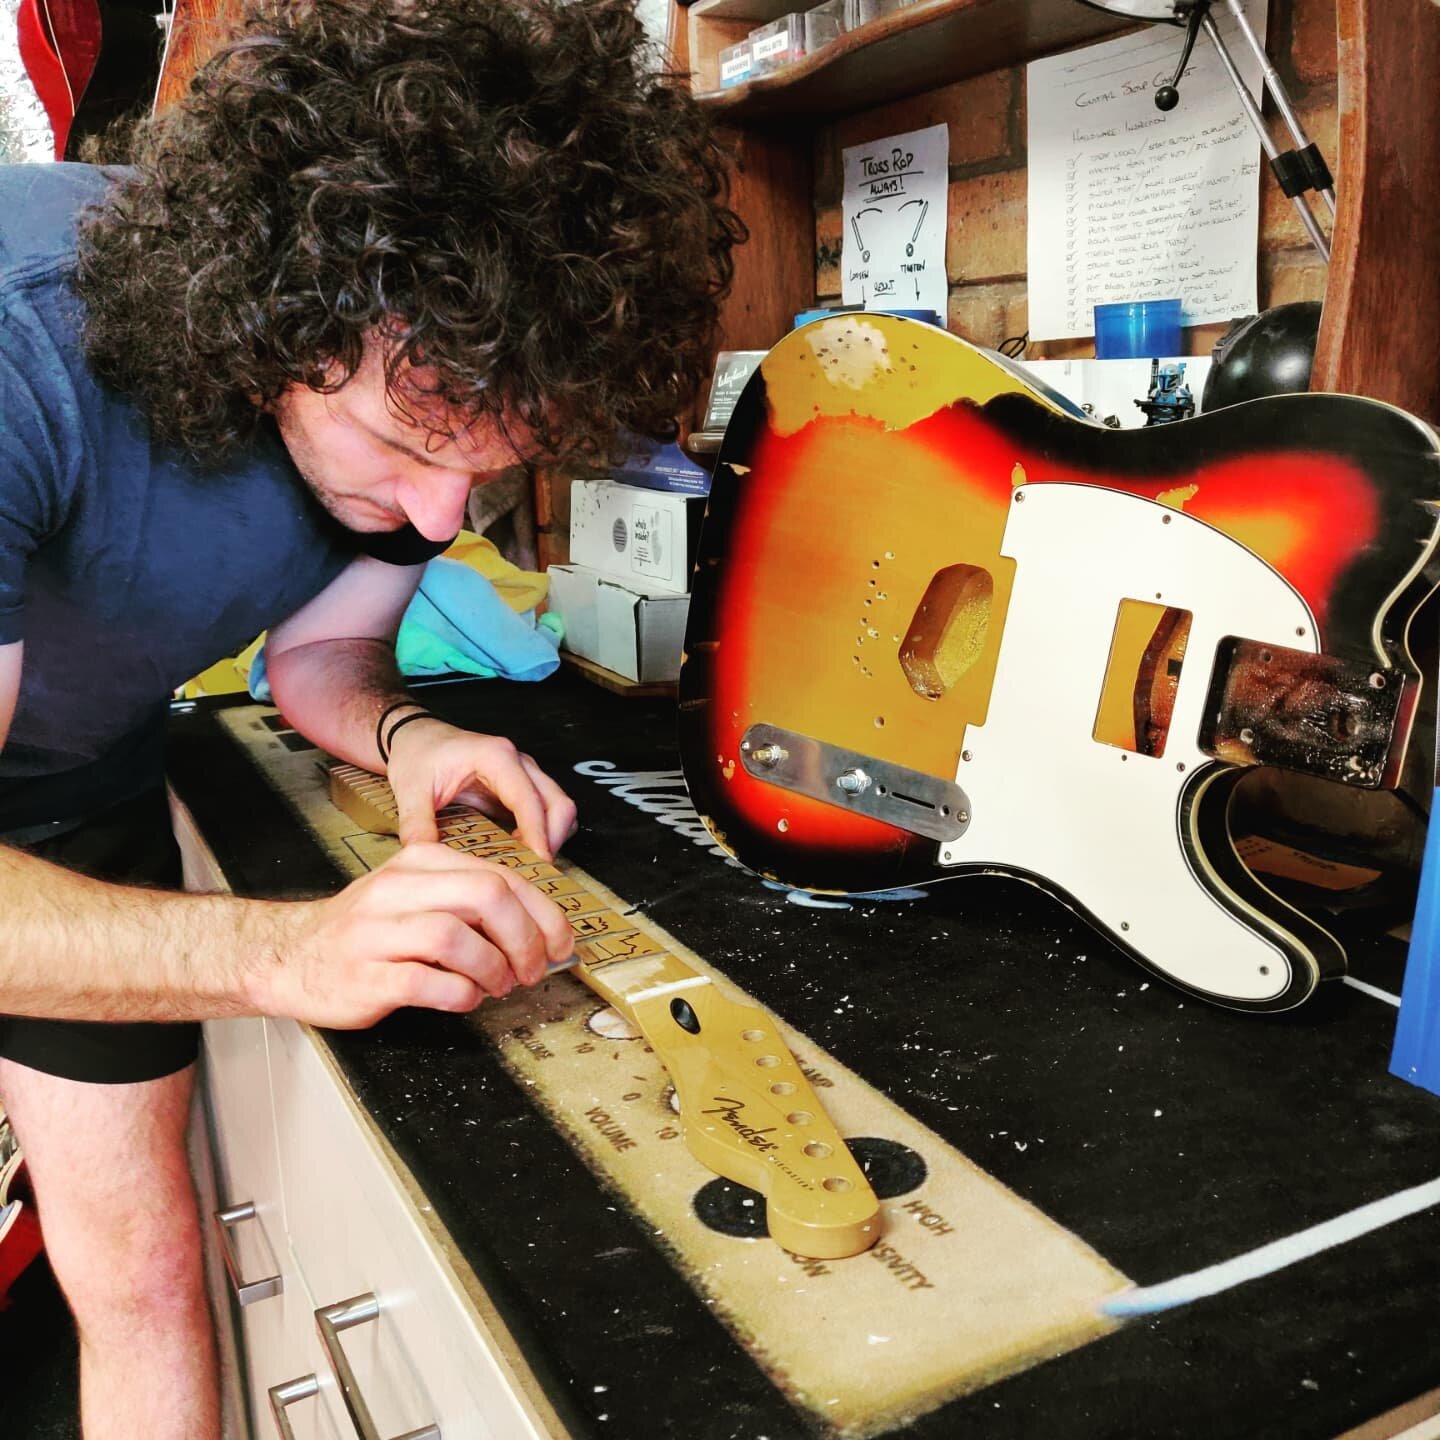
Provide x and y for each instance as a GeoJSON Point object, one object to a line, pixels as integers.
{"type": "Point", "coordinates": [1166, 1134]}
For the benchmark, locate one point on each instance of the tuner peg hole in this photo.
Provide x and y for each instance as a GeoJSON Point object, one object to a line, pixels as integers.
{"type": "Point", "coordinates": [683, 1014]}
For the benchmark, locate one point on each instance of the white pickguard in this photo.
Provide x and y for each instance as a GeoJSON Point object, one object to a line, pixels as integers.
{"type": "Point", "coordinates": [1100, 822]}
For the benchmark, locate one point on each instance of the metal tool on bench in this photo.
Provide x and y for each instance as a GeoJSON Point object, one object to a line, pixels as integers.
{"type": "Point", "coordinates": [747, 1110]}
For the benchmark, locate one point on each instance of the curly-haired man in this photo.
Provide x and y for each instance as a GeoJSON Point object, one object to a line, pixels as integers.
{"type": "Point", "coordinates": [383, 249]}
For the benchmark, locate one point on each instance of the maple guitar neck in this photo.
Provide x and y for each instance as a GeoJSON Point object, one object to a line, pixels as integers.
{"type": "Point", "coordinates": [747, 1110]}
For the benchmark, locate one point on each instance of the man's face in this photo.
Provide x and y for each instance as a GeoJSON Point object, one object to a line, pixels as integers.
{"type": "Point", "coordinates": [373, 468]}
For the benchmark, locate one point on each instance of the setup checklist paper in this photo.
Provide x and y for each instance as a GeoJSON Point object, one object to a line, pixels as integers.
{"type": "Point", "coordinates": [1129, 203]}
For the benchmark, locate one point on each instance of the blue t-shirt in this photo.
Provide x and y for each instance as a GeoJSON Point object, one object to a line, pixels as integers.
{"type": "Point", "coordinates": [124, 567]}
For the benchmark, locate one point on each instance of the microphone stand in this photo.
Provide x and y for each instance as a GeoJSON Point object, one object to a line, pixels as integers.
{"type": "Point", "coordinates": [1297, 170]}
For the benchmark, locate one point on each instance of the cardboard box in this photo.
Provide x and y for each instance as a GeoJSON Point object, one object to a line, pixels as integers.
{"type": "Point", "coordinates": [636, 635]}
{"type": "Point", "coordinates": [777, 44]}
{"type": "Point", "coordinates": [735, 64]}
{"type": "Point", "coordinates": [643, 538]}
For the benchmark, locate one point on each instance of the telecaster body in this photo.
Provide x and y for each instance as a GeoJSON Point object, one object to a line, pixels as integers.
{"type": "Point", "coordinates": [940, 627]}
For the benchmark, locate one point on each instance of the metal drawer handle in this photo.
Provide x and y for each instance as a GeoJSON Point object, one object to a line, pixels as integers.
{"type": "Point", "coordinates": [255, 1290]}
{"type": "Point", "coordinates": [330, 1320]}
{"type": "Point", "coordinates": [287, 1394]}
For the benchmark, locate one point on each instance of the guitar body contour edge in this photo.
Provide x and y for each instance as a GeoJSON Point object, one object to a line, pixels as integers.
{"type": "Point", "coordinates": [942, 627]}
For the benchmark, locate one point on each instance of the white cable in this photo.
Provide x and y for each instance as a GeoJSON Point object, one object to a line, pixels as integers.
{"type": "Point", "coordinates": [1149, 1299]}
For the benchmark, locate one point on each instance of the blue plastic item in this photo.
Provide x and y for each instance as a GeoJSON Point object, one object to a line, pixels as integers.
{"type": "Point", "coordinates": [1137, 330]}
{"type": "Point", "coordinates": [1416, 1054]}
{"type": "Point", "coordinates": [661, 467]}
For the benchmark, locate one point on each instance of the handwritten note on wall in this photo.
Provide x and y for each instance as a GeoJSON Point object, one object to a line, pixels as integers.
{"type": "Point", "coordinates": [893, 250]}
{"type": "Point", "coordinates": [1129, 203]}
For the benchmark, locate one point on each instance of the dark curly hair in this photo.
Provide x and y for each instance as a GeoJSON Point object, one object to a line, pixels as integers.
{"type": "Point", "coordinates": [504, 190]}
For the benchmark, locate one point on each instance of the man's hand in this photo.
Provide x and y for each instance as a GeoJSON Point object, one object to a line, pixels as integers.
{"type": "Point", "coordinates": [433, 765]}
{"type": "Point", "coordinates": [432, 927]}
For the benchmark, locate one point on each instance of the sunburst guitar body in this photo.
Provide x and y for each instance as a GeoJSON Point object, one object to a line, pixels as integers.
{"type": "Point", "coordinates": [942, 627]}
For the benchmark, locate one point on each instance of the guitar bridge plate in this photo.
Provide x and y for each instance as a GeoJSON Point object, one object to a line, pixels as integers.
{"type": "Point", "coordinates": [908, 799]}
{"type": "Point", "coordinates": [1341, 720]}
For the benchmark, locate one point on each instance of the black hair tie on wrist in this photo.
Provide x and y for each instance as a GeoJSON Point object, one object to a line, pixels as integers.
{"type": "Point", "coordinates": [385, 714]}
{"type": "Point", "coordinates": [400, 724]}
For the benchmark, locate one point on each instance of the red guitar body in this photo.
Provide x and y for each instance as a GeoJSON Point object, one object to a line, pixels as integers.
{"type": "Point", "coordinates": [59, 45]}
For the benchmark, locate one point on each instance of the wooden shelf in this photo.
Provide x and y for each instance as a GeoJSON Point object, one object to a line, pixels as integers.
{"type": "Point", "coordinates": [917, 48]}
{"type": "Point", "coordinates": [609, 680]}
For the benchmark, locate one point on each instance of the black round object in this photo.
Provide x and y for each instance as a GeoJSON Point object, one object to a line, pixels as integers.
{"type": "Point", "coordinates": [1266, 354]}
{"type": "Point", "coordinates": [730, 1209]}
{"type": "Point", "coordinates": [1167, 97]}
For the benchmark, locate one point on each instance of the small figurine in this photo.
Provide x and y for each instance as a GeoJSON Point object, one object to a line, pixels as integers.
{"type": "Point", "coordinates": [1169, 398]}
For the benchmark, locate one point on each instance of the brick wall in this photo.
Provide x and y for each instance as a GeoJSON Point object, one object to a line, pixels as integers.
{"type": "Point", "coordinates": [552, 517]}
{"type": "Point", "coordinates": [985, 246]}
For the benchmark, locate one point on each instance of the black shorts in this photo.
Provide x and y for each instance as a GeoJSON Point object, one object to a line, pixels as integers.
{"type": "Point", "coordinates": [131, 843]}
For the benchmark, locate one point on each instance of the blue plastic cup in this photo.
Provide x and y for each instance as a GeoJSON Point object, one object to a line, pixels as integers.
{"type": "Point", "coordinates": [1137, 330]}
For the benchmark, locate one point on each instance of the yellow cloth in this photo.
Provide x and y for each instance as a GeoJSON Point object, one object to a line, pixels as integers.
{"type": "Point", "coordinates": [521, 590]}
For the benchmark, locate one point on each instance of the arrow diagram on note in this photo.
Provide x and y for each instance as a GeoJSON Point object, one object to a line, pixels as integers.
{"type": "Point", "coordinates": [915, 233]}
{"type": "Point", "coordinates": [855, 226]}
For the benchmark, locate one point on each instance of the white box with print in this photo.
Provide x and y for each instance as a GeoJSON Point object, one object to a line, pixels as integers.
{"type": "Point", "coordinates": [646, 538]}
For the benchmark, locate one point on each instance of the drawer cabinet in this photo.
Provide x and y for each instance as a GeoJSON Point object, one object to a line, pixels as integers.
{"type": "Point", "coordinates": [314, 1214]}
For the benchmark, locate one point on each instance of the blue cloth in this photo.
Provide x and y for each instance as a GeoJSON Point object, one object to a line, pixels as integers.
{"type": "Point", "coordinates": [124, 568]}
{"type": "Point", "coordinates": [458, 625]}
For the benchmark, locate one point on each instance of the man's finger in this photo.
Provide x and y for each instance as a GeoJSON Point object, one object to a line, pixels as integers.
{"type": "Point", "coordinates": [488, 941]}
{"type": "Point", "coordinates": [516, 791]}
{"type": "Point", "coordinates": [415, 805]}
{"type": "Point", "coordinates": [552, 922]}
{"type": "Point", "coordinates": [413, 983]}
{"type": "Point", "coordinates": [561, 816]}
{"type": "Point", "coordinates": [525, 927]}
{"type": "Point", "coordinates": [441, 938]}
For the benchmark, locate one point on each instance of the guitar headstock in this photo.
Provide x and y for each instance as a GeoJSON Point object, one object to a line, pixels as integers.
{"type": "Point", "coordinates": [750, 1115]}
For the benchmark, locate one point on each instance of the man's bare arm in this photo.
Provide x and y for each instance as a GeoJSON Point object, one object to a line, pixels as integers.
{"type": "Point", "coordinates": [75, 948]}
{"type": "Point", "coordinates": [332, 664]}
{"type": "Point", "coordinates": [432, 928]}
{"type": "Point", "coordinates": [332, 671]}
